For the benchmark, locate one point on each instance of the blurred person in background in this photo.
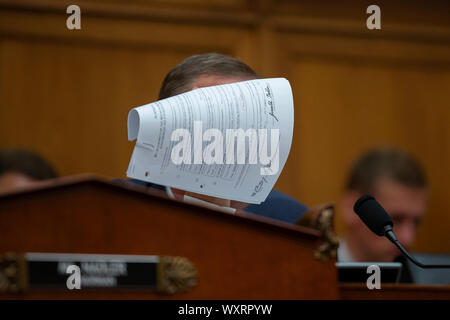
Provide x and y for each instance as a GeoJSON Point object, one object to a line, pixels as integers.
{"type": "Point", "coordinates": [397, 180]}
{"type": "Point", "coordinates": [21, 168]}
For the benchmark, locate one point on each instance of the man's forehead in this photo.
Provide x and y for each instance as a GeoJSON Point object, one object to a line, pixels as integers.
{"type": "Point", "coordinates": [400, 198]}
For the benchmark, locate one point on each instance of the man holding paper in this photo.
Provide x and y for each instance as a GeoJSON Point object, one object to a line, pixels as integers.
{"type": "Point", "coordinates": [192, 142]}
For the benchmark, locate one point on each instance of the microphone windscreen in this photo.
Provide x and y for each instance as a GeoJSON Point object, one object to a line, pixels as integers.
{"type": "Point", "coordinates": [372, 214]}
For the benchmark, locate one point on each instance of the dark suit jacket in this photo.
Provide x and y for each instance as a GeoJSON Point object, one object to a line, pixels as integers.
{"type": "Point", "coordinates": [278, 205]}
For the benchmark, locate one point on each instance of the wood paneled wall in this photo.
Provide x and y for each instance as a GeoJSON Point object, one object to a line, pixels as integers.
{"type": "Point", "coordinates": [66, 94]}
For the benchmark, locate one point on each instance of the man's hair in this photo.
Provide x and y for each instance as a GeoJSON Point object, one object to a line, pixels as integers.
{"type": "Point", "coordinates": [181, 78]}
{"type": "Point", "coordinates": [390, 163]}
{"type": "Point", "coordinates": [27, 163]}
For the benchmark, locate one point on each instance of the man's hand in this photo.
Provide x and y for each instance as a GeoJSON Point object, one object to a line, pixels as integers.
{"type": "Point", "coordinates": [179, 195]}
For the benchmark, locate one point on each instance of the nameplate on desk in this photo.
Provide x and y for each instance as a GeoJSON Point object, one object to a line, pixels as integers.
{"type": "Point", "coordinates": [34, 271]}
{"type": "Point", "coordinates": [390, 272]}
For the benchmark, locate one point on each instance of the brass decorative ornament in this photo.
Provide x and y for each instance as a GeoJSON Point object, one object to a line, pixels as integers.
{"type": "Point", "coordinates": [328, 249]}
{"type": "Point", "coordinates": [175, 274]}
{"type": "Point", "coordinates": [322, 219]}
{"type": "Point", "coordinates": [13, 273]}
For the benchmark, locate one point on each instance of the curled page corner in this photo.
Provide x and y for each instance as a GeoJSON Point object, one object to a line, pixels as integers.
{"type": "Point", "coordinates": [133, 124]}
{"type": "Point", "coordinates": [184, 127]}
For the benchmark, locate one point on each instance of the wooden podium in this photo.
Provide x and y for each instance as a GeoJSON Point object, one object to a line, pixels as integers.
{"type": "Point", "coordinates": [237, 256]}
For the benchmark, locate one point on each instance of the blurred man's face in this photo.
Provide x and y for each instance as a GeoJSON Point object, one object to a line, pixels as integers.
{"type": "Point", "coordinates": [406, 206]}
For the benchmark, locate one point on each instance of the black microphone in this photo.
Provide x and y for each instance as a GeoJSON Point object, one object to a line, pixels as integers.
{"type": "Point", "coordinates": [380, 223]}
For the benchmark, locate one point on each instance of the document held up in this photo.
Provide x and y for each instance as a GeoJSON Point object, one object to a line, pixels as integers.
{"type": "Point", "coordinates": [228, 141]}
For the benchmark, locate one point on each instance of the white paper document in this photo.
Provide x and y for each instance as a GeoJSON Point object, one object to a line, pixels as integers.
{"type": "Point", "coordinates": [229, 141]}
